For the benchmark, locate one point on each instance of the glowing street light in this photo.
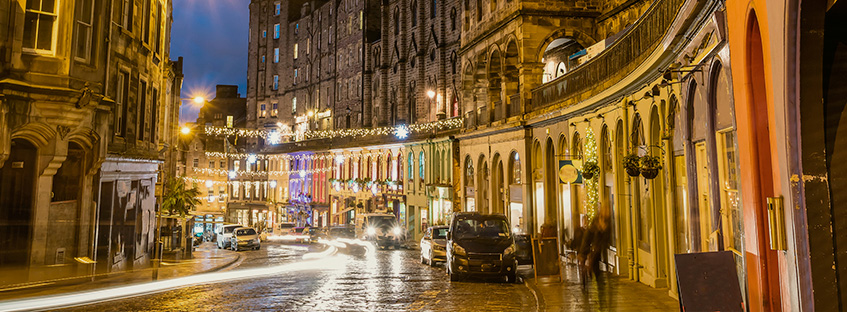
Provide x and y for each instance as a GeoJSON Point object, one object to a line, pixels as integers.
{"type": "Point", "coordinates": [199, 100]}
{"type": "Point", "coordinates": [430, 94]}
{"type": "Point", "coordinates": [251, 158]}
{"type": "Point", "coordinates": [310, 113]}
{"type": "Point", "coordinates": [401, 132]}
{"type": "Point", "coordinates": [185, 130]}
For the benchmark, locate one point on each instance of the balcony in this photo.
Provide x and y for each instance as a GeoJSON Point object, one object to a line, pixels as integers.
{"type": "Point", "coordinates": [482, 116]}
{"type": "Point", "coordinates": [613, 64]}
{"type": "Point", "coordinates": [499, 111]}
{"type": "Point", "coordinates": [470, 120]}
{"type": "Point", "coordinates": [514, 107]}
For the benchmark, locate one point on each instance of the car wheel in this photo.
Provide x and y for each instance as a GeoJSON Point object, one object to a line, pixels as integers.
{"type": "Point", "coordinates": [454, 277]}
{"type": "Point", "coordinates": [512, 277]}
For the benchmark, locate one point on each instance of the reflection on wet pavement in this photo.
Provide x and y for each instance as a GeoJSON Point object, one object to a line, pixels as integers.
{"type": "Point", "coordinates": [387, 280]}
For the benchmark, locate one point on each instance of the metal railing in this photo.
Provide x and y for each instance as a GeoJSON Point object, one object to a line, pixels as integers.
{"type": "Point", "coordinates": [614, 63]}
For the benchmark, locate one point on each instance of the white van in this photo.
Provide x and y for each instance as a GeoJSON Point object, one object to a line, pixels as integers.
{"type": "Point", "coordinates": [225, 235]}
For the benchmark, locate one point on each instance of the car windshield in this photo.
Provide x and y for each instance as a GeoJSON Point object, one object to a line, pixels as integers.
{"type": "Point", "coordinates": [381, 221]}
{"type": "Point", "coordinates": [245, 232]}
{"type": "Point", "coordinates": [481, 227]}
{"type": "Point", "coordinates": [229, 229]}
{"type": "Point", "coordinates": [439, 233]}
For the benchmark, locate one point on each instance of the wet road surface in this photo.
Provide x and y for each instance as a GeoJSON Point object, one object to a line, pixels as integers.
{"type": "Point", "coordinates": [388, 280]}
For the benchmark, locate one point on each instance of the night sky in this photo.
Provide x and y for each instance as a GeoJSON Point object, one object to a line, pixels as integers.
{"type": "Point", "coordinates": [211, 36]}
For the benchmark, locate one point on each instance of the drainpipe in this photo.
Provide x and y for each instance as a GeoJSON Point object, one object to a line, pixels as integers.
{"type": "Point", "coordinates": [631, 253]}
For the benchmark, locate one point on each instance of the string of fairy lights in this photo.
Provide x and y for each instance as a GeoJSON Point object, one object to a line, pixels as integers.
{"type": "Point", "coordinates": [258, 173]}
{"type": "Point", "coordinates": [399, 131]}
{"type": "Point", "coordinates": [592, 193]}
{"type": "Point", "coordinates": [275, 136]}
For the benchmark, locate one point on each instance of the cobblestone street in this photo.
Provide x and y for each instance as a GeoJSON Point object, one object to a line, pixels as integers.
{"type": "Point", "coordinates": [391, 280]}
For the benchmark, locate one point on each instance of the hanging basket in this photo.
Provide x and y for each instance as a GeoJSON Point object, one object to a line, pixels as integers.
{"type": "Point", "coordinates": [650, 166]}
{"type": "Point", "coordinates": [590, 170]}
{"type": "Point", "coordinates": [631, 163]}
{"type": "Point", "coordinates": [649, 173]}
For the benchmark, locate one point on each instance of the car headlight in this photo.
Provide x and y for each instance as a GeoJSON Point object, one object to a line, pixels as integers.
{"type": "Point", "coordinates": [371, 231]}
{"type": "Point", "coordinates": [397, 231]}
{"type": "Point", "coordinates": [458, 250]}
{"type": "Point", "coordinates": [509, 250]}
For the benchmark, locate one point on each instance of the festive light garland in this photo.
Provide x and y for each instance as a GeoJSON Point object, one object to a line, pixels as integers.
{"type": "Point", "coordinates": [212, 171]}
{"type": "Point", "coordinates": [451, 123]}
{"type": "Point", "coordinates": [243, 132]}
{"type": "Point", "coordinates": [592, 194]}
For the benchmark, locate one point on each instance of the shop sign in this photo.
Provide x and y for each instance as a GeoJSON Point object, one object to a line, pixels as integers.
{"type": "Point", "coordinates": [568, 172]}
{"type": "Point", "coordinates": [324, 114]}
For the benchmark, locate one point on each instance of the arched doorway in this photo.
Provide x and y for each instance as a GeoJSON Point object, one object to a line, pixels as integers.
{"type": "Point", "coordinates": [470, 191]}
{"type": "Point", "coordinates": [516, 211]}
{"type": "Point", "coordinates": [538, 186]}
{"type": "Point", "coordinates": [551, 182]}
{"type": "Point", "coordinates": [16, 203]}
{"type": "Point", "coordinates": [497, 186]}
{"type": "Point", "coordinates": [484, 179]}
{"type": "Point", "coordinates": [765, 268]}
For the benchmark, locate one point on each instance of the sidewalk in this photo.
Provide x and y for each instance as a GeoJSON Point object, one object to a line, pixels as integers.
{"type": "Point", "coordinates": [206, 258]}
{"type": "Point", "coordinates": [614, 294]}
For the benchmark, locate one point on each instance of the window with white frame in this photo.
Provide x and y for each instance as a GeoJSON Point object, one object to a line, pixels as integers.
{"type": "Point", "coordinates": [40, 22]}
{"type": "Point", "coordinates": [84, 29]}
{"type": "Point", "coordinates": [296, 45]}
{"type": "Point", "coordinates": [276, 31]}
{"type": "Point", "coordinates": [262, 111]}
{"type": "Point", "coordinates": [274, 109]}
{"type": "Point", "coordinates": [276, 82]}
{"type": "Point", "coordinates": [276, 55]}
{"type": "Point", "coordinates": [277, 8]}
{"type": "Point", "coordinates": [294, 105]}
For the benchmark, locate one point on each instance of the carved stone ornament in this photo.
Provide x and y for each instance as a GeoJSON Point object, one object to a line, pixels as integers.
{"type": "Point", "coordinates": [63, 131]}
{"type": "Point", "coordinates": [85, 98]}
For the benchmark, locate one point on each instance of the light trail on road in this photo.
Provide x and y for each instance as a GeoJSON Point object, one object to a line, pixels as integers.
{"type": "Point", "coordinates": [323, 260]}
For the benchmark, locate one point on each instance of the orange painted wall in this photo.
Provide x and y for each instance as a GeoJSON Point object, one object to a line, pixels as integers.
{"type": "Point", "coordinates": [763, 280]}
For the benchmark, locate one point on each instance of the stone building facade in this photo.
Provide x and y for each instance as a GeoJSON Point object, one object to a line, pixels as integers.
{"type": "Point", "coordinates": [87, 92]}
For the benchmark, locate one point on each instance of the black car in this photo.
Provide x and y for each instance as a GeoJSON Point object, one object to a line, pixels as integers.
{"type": "Point", "coordinates": [481, 245]}
{"type": "Point", "coordinates": [336, 232]}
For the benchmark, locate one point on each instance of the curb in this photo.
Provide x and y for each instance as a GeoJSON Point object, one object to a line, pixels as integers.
{"type": "Point", "coordinates": [540, 305]}
{"type": "Point", "coordinates": [226, 266]}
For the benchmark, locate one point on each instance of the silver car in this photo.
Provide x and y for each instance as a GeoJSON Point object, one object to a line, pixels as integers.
{"type": "Point", "coordinates": [224, 235]}
{"type": "Point", "coordinates": [245, 238]}
{"type": "Point", "coordinates": [434, 245]}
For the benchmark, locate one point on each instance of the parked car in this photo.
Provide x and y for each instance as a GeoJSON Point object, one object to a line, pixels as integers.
{"type": "Point", "coordinates": [245, 237]}
{"type": "Point", "coordinates": [337, 232]}
{"type": "Point", "coordinates": [481, 245]}
{"type": "Point", "coordinates": [225, 234]}
{"type": "Point", "coordinates": [434, 245]}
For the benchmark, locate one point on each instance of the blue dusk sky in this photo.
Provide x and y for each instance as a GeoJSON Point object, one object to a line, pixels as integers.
{"type": "Point", "coordinates": [211, 36]}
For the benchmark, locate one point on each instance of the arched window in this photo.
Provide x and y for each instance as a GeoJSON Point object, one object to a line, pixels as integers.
{"type": "Point", "coordinates": [432, 9]}
{"type": "Point", "coordinates": [452, 19]}
{"type": "Point", "coordinates": [411, 166]}
{"type": "Point", "coordinates": [515, 169]}
{"type": "Point", "coordinates": [560, 69]}
{"type": "Point", "coordinates": [396, 21]}
{"type": "Point", "coordinates": [469, 177]}
{"type": "Point", "coordinates": [421, 164]}
{"type": "Point", "coordinates": [414, 9]}
{"type": "Point", "coordinates": [478, 10]}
